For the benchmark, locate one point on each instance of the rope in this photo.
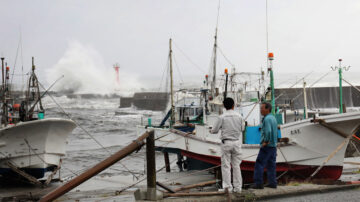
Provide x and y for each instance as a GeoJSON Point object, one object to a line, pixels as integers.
{"type": "Point", "coordinates": [188, 58]}
{"type": "Point", "coordinates": [312, 85]}
{"type": "Point", "coordinates": [86, 131]}
{"type": "Point", "coordinates": [295, 83]}
{"type": "Point", "coordinates": [162, 77]}
{"type": "Point", "coordinates": [137, 182]}
{"type": "Point", "coordinates": [352, 85]}
{"type": "Point", "coordinates": [33, 150]}
{"type": "Point", "coordinates": [247, 116]}
{"type": "Point", "coordinates": [178, 69]}
{"type": "Point", "coordinates": [227, 59]}
{"type": "Point", "coordinates": [16, 55]}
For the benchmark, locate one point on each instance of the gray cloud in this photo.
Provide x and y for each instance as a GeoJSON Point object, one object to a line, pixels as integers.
{"type": "Point", "coordinates": [304, 35]}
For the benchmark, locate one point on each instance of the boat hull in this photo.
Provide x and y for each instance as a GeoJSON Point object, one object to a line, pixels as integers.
{"type": "Point", "coordinates": [309, 146]}
{"type": "Point", "coordinates": [35, 146]}
{"type": "Point", "coordinates": [290, 171]}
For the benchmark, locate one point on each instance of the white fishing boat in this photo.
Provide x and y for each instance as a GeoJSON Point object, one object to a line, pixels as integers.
{"type": "Point", "coordinates": [34, 146]}
{"type": "Point", "coordinates": [309, 145]}
{"type": "Point", "coordinates": [30, 144]}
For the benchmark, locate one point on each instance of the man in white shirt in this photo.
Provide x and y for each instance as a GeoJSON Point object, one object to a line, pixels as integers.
{"type": "Point", "coordinates": [231, 124]}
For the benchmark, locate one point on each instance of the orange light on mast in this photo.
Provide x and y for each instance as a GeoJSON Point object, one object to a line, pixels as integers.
{"type": "Point", "coordinates": [271, 56]}
{"type": "Point", "coordinates": [226, 71]}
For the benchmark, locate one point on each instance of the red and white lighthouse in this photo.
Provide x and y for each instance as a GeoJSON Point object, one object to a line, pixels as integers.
{"type": "Point", "coordinates": [117, 67]}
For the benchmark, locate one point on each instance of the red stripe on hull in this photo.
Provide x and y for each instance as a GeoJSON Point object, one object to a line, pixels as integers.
{"type": "Point", "coordinates": [299, 172]}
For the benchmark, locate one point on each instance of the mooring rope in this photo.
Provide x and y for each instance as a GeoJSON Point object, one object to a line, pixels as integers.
{"type": "Point", "coordinates": [91, 136]}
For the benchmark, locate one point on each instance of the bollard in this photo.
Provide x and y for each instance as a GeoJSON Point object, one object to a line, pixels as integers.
{"type": "Point", "coordinates": [150, 160]}
{"type": "Point", "coordinates": [151, 168]}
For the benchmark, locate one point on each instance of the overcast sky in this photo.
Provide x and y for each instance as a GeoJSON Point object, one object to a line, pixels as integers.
{"type": "Point", "coordinates": [304, 35]}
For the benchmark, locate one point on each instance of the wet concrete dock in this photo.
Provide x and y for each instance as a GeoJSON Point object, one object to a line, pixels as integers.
{"type": "Point", "coordinates": [106, 188]}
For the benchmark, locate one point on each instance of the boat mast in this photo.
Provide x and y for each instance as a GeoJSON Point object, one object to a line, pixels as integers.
{"type": "Point", "coordinates": [172, 120]}
{"type": "Point", "coordinates": [2, 71]}
{"type": "Point", "coordinates": [213, 83]}
{"type": "Point", "coordinates": [3, 89]}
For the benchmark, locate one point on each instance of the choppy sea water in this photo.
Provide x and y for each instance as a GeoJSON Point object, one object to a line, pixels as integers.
{"type": "Point", "coordinates": [112, 127]}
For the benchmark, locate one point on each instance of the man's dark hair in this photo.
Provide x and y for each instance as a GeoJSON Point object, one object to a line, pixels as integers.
{"type": "Point", "coordinates": [228, 103]}
{"type": "Point", "coordinates": [267, 106]}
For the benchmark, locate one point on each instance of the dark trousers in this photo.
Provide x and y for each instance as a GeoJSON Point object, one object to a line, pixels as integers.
{"type": "Point", "coordinates": [266, 159]}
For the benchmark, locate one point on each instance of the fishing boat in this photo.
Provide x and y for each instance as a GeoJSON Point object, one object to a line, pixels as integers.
{"type": "Point", "coordinates": [310, 148]}
{"type": "Point", "coordinates": [30, 144]}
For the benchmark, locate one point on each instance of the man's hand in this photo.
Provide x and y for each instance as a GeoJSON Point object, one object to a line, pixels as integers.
{"type": "Point", "coordinates": [264, 144]}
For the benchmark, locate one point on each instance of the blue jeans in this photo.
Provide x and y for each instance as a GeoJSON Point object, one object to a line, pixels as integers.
{"type": "Point", "coordinates": [266, 159]}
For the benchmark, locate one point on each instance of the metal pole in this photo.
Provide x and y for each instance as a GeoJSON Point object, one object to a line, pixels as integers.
{"type": "Point", "coordinates": [271, 58]}
{"type": "Point", "coordinates": [96, 169]}
{"type": "Point", "coordinates": [305, 102]}
{"type": "Point", "coordinates": [172, 120]}
{"type": "Point", "coordinates": [226, 83]}
{"type": "Point", "coordinates": [340, 89]}
{"type": "Point", "coordinates": [4, 106]}
{"type": "Point", "coordinates": [213, 83]}
{"type": "Point", "coordinates": [2, 70]}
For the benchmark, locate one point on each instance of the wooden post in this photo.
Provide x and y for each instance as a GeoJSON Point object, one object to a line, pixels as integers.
{"type": "Point", "coordinates": [167, 162]}
{"type": "Point", "coordinates": [151, 166]}
{"type": "Point", "coordinates": [97, 169]}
